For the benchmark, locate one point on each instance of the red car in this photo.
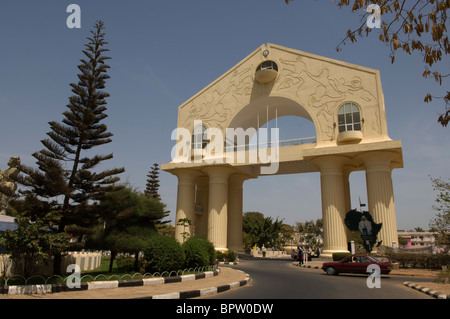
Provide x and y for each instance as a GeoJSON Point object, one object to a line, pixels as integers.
{"type": "Point", "coordinates": [356, 264]}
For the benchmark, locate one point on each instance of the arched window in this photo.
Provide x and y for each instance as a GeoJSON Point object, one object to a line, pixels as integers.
{"type": "Point", "coordinates": [267, 65]}
{"type": "Point", "coordinates": [349, 118]}
{"type": "Point", "coordinates": [199, 137]}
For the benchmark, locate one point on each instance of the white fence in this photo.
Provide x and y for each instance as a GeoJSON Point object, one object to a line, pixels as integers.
{"type": "Point", "coordinates": [86, 261]}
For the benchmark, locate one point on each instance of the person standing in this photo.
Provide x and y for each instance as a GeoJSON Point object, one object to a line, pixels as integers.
{"type": "Point", "coordinates": [300, 255]}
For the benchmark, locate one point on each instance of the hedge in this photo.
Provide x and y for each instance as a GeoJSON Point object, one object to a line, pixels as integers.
{"type": "Point", "coordinates": [228, 256]}
{"type": "Point", "coordinates": [163, 253]}
{"type": "Point", "coordinates": [410, 260]}
{"type": "Point", "coordinates": [415, 260]}
{"type": "Point", "coordinates": [340, 256]}
{"type": "Point", "coordinates": [198, 252]}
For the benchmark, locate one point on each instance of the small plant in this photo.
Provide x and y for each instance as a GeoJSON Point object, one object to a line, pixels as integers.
{"type": "Point", "coordinates": [226, 256]}
{"type": "Point", "coordinates": [185, 222]}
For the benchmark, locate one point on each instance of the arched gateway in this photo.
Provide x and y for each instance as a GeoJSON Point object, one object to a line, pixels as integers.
{"type": "Point", "coordinates": [213, 156]}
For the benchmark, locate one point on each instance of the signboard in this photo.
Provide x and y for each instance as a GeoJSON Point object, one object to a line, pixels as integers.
{"type": "Point", "coordinates": [365, 225]}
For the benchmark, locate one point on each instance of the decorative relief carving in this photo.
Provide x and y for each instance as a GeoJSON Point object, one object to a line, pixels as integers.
{"type": "Point", "coordinates": [319, 85]}
{"type": "Point", "coordinates": [217, 107]}
{"type": "Point", "coordinates": [324, 93]}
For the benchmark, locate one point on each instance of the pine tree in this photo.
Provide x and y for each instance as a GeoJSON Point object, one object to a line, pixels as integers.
{"type": "Point", "coordinates": [66, 178]}
{"type": "Point", "coordinates": [152, 186]}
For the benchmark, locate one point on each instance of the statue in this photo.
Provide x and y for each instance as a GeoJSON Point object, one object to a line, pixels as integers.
{"type": "Point", "coordinates": [8, 186]}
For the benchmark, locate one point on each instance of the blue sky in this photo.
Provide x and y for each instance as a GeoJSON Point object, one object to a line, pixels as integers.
{"type": "Point", "coordinates": [164, 52]}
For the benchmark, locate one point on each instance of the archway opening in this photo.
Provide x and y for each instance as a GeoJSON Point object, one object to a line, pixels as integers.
{"type": "Point", "coordinates": [259, 119]}
{"type": "Point", "coordinates": [301, 201]}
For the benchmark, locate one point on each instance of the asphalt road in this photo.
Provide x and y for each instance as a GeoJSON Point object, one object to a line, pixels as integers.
{"type": "Point", "coordinates": [282, 280]}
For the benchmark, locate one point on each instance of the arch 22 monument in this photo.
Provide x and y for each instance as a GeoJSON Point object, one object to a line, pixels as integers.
{"type": "Point", "coordinates": [215, 149]}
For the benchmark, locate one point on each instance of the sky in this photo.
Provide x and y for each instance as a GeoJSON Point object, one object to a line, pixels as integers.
{"type": "Point", "coordinates": [164, 52]}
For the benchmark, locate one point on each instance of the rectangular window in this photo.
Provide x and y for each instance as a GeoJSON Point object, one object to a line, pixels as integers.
{"type": "Point", "coordinates": [348, 118]}
{"type": "Point", "coordinates": [341, 119]}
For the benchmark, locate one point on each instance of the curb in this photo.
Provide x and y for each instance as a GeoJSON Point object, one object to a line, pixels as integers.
{"type": "Point", "coordinates": [306, 266]}
{"type": "Point", "coordinates": [55, 288]}
{"type": "Point", "coordinates": [202, 292]}
{"type": "Point", "coordinates": [427, 291]}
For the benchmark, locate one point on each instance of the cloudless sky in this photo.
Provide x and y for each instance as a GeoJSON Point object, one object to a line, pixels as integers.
{"type": "Point", "coordinates": [164, 52]}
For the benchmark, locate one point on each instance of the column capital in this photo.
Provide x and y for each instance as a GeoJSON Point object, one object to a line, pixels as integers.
{"type": "Point", "coordinates": [377, 160]}
{"type": "Point", "coordinates": [376, 157]}
{"type": "Point", "coordinates": [331, 164]}
{"type": "Point", "coordinates": [218, 171]}
{"type": "Point", "coordinates": [186, 173]}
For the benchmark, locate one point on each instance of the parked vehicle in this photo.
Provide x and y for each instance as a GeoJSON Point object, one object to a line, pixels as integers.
{"type": "Point", "coordinates": [356, 264]}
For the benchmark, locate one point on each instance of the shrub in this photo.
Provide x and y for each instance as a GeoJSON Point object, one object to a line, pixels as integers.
{"type": "Point", "coordinates": [163, 253]}
{"type": "Point", "coordinates": [339, 256]}
{"type": "Point", "coordinates": [198, 252]}
{"type": "Point", "coordinates": [220, 256]}
{"type": "Point", "coordinates": [415, 260]}
{"type": "Point", "coordinates": [125, 264]}
{"type": "Point", "coordinates": [443, 276]}
{"type": "Point", "coordinates": [226, 256]}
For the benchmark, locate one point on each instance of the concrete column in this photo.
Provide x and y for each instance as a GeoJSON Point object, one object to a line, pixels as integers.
{"type": "Point", "coordinates": [202, 193]}
{"type": "Point", "coordinates": [348, 202]}
{"type": "Point", "coordinates": [380, 194]}
{"type": "Point", "coordinates": [235, 203]}
{"type": "Point", "coordinates": [333, 203]}
{"type": "Point", "coordinates": [218, 205]}
{"type": "Point", "coordinates": [185, 202]}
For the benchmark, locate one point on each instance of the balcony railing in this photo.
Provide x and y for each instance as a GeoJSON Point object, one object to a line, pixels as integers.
{"type": "Point", "coordinates": [291, 142]}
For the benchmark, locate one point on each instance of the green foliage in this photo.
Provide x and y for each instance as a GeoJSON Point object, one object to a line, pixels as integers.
{"type": "Point", "coordinates": [311, 233]}
{"type": "Point", "coordinates": [441, 223]}
{"type": "Point", "coordinates": [67, 179]}
{"type": "Point", "coordinates": [227, 256]}
{"type": "Point", "coordinates": [443, 276]}
{"type": "Point", "coordinates": [127, 221]}
{"type": "Point", "coordinates": [261, 230]}
{"type": "Point", "coordinates": [186, 223]}
{"type": "Point", "coordinates": [125, 264]}
{"type": "Point", "coordinates": [198, 252]}
{"type": "Point", "coordinates": [416, 260]}
{"type": "Point", "coordinates": [31, 243]}
{"type": "Point", "coordinates": [339, 256]}
{"type": "Point", "coordinates": [152, 186]}
{"type": "Point", "coordinates": [163, 253]}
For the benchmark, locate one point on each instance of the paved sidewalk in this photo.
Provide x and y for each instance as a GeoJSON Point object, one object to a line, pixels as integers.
{"type": "Point", "coordinates": [227, 279]}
